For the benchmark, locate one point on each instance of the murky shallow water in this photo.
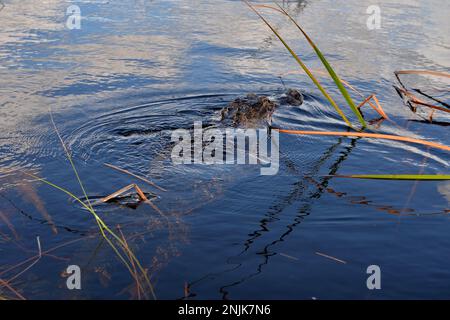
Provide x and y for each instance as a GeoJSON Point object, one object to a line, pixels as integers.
{"type": "Point", "coordinates": [137, 70]}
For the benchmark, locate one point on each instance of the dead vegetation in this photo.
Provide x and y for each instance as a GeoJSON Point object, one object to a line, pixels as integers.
{"type": "Point", "coordinates": [430, 104]}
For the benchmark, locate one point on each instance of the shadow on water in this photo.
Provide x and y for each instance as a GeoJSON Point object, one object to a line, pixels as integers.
{"type": "Point", "coordinates": [300, 193]}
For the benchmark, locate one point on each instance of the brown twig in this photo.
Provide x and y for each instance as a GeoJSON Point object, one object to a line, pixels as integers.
{"type": "Point", "coordinates": [37, 256]}
{"type": "Point", "coordinates": [135, 275]}
{"type": "Point", "coordinates": [135, 175]}
{"type": "Point", "coordinates": [123, 190]}
{"type": "Point", "coordinates": [331, 257]}
{"type": "Point", "coordinates": [412, 100]}
{"type": "Point", "coordinates": [32, 264]}
{"type": "Point", "coordinates": [8, 286]}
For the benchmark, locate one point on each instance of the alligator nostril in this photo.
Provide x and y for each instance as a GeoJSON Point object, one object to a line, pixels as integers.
{"type": "Point", "coordinates": [293, 97]}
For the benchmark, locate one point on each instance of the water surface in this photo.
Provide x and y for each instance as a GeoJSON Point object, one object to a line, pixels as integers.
{"type": "Point", "coordinates": [138, 70]}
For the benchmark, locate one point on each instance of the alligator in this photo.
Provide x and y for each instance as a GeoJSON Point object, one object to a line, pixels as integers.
{"type": "Point", "coordinates": [249, 111]}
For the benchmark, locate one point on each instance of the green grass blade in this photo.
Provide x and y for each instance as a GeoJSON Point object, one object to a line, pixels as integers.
{"type": "Point", "coordinates": [303, 66]}
{"type": "Point", "coordinates": [420, 177]}
{"type": "Point", "coordinates": [69, 157]}
{"type": "Point", "coordinates": [103, 227]}
{"type": "Point", "coordinates": [330, 70]}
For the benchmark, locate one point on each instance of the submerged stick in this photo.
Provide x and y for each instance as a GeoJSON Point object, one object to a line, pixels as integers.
{"type": "Point", "coordinates": [39, 256]}
{"type": "Point", "coordinates": [411, 98]}
{"type": "Point", "coordinates": [412, 101]}
{"type": "Point", "coordinates": [135, 273]}
{"type": "Point", "coordinates": [6, 284]}
{"type": "Point", "coordinates": [432, 98]}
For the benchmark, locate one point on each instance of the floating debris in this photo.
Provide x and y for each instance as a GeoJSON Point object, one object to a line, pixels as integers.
{"type": "Point", "coordinates": [413, 102]}
{"type": "Point", "coordinates": [331, 257]}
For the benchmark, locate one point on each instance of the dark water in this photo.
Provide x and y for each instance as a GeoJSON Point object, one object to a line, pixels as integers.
{"type": "Point", "coordinates": [138, 70]}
